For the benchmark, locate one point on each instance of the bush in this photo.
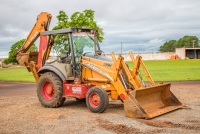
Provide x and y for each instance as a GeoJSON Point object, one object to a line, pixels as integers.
{"type": "Point", "coordinates": [6, 61]}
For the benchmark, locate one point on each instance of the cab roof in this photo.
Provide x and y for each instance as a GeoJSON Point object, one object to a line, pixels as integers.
{"type": "Point", "coordinates": [67, 30]}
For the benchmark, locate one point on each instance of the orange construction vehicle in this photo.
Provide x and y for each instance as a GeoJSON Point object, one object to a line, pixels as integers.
{"type": "Point", "coordinates": [83, 72]}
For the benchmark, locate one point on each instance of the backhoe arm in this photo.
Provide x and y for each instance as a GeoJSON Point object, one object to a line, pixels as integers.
{"type": "Point", "coordinates": [41, 25]}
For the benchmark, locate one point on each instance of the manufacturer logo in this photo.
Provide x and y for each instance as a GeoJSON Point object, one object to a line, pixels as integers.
{"type": "Point", "coordinates": [76, 90]}
{"type": "Point", "coordinates": [98, 70]}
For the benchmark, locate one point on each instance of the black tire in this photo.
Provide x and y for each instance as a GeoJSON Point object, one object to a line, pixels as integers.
{"type": "Point", "coordinates": [97, 100]}
{"type": "Point", "coordinates": [50, 90]}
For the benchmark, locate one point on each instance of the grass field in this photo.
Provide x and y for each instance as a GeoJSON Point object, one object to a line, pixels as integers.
{"type": "Point", "coordinates": [173, 70]}
{"type": "Point", "coordinates": [165, 70]}
{"type": "Point", "coordinates": [16, 74]}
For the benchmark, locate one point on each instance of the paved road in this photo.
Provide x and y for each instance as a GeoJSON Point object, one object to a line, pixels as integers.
{"type": "Point", "coordinates": [22, 88]}
{"type": "Point", "coordinates": [17, 88]}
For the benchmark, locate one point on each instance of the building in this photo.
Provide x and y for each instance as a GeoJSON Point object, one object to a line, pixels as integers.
{"type": "Point", "coordinates": [188, 53]}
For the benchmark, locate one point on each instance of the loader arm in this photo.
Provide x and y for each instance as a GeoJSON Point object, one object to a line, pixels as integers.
{"type": "Point", "coordinates": [146, 101]}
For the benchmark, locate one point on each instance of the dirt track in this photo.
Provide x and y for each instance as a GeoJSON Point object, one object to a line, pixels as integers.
{"type": "Point", "coordinates": [21, 112]}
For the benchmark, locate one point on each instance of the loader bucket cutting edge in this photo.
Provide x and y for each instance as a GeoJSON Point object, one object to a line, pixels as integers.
{"type": "Point", "coordinates": [151, 102]}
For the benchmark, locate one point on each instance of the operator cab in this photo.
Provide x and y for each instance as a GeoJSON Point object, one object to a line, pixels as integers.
{"type": "Point", "coordinates": [80, 42]}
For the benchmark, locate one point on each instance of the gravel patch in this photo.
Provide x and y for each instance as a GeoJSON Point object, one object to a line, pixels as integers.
{"type": "Point", "coordinates": [24, 114]}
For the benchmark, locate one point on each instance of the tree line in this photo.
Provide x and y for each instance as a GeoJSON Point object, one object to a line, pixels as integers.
{"type": "Point", "coordinates": [186, 41]}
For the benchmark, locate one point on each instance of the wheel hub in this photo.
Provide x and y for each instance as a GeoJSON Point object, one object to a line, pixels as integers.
{"type": "Point", "coordinates": [94, 100]}
{"type": "Point", "coordinates": [48, 91]}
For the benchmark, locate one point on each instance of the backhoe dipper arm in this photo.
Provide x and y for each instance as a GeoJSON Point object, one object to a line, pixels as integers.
{"type": "Point", "coordinates": [41, 25]}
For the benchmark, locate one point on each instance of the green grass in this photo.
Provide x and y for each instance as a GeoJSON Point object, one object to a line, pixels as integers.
{"type": "Point", "coordinates": [172, 70]}
{"type": "Point", "coordinates": [162, 70]}
{"type": "Point", "coordinates": [16, 74]}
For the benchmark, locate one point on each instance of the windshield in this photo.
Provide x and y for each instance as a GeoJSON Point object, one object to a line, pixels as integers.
{"type": "Point", "coordinates": [83, 43]}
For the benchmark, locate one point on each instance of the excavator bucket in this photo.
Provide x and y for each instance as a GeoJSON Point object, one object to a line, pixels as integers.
{"type": "Point", "coordinates": [22, 58]}
{"type": "Point", "coordinates": [151, 101]}
{"type": "Point", "coordinates": [27, 57]}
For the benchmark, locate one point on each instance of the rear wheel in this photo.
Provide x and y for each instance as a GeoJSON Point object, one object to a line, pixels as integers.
{"type": "Point", "coordinates": [97, 100]}
{"type": "Point", "coordinates": [50, 91]}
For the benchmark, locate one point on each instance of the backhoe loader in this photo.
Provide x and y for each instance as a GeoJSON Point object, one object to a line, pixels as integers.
{"type": "Point", "coordinates": [84, 72]}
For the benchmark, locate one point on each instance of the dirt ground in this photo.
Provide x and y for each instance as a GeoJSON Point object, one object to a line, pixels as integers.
{"type": "Point", "coordinates": [21, 112]}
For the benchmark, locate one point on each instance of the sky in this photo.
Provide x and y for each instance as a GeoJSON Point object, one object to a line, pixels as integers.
{"type": "Point", "coordinates": [136, 25]}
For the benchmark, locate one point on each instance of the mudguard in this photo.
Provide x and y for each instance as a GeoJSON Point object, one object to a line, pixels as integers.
{"type": "Point", "coordinates": [51, 68]}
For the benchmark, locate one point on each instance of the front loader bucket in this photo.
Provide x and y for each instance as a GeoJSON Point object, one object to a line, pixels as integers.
{"type": "Point", "coordinates": [150, 102]}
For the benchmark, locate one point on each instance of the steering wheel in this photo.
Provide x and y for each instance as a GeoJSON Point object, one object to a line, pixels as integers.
{"type": "Point", "coordinates": [84, 53]}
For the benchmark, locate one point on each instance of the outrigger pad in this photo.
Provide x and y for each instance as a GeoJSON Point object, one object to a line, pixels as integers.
{"type": "Point", "coordinates": [150, 102]}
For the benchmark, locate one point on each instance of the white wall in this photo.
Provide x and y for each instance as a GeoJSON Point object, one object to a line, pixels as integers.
{"type": "Point", "coordinates": [148, 56]}
{"type": "Point", "coordinates": [181, 53]}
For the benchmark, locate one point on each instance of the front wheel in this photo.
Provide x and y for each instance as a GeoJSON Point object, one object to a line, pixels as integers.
{"type": "Point", "coordinates": [97, 100]}
{"type": "Point", "coordinates": [50, 90]}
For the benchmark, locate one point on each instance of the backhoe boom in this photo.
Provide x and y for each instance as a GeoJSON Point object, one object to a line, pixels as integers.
{"type": "Point", "coordinates": [41, 25]}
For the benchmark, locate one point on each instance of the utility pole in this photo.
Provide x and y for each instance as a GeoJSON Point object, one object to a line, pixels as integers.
{"type": "Point", "coordinates": [193, 42]}
{"type": "Point", "coordinates": [121, 47]}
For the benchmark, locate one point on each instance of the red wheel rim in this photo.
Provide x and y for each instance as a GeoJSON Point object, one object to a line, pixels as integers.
{"type": "Point", "coordinates": [94, 100]}
{"type": "Point", "coordinates": [48, 91]}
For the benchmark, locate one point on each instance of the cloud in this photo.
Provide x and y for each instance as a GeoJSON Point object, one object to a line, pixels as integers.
{"type": "Point", "coordinates": [156, 41]}
{"type": "Point", "coordinates": [139, 25]}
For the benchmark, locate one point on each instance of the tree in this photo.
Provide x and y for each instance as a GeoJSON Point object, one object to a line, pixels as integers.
{"type": "Point", "coordinates": [186, 41]}
{"type": "Point", "coordinates": [83, 19]}
{"type": "Point", "coordinates": [168, 46]}
{"type": "Point", "coordinates": [11, 55]}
